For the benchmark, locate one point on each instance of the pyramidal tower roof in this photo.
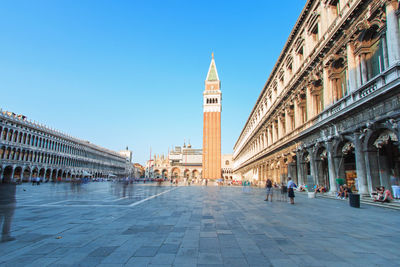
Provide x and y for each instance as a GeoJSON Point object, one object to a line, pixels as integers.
{"type": "Point", "coordinates": [212, 74]}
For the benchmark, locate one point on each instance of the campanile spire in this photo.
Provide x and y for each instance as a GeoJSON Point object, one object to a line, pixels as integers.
{"type": "Point", "coordinates": [212, 97]}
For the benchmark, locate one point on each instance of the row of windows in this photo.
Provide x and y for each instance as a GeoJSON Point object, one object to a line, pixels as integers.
{"type": "Point", "coordinates": [45, 158]}
{"type": "Point", "coordinates": [20, 137]}
{"type": "Point", "coordinates": [212, 100]}
{"type": "Point", "coordinates": [311, 101]}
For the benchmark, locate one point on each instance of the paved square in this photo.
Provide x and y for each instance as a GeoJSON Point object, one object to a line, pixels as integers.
{"type": "Point", "coordinates": [106, 224]}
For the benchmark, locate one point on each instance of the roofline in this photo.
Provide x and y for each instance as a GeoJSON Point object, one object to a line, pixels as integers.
{"type": "Point", "coordinates": [289, 41]}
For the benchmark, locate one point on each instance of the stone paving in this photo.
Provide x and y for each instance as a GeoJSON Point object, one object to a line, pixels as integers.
{"type": "Point", "coordinates": [104, 224]}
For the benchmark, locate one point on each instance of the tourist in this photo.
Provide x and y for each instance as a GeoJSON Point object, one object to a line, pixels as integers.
{"type": "Point", "coordinates": [268, 187]}
{"type": "Point", "coordinates": [302, 188]}
{"type": "Point", "coordinates": [386, 196]}
{"type": "Point", "coordinates": [7, 207]}
{"type": "Point", "coordinates": [290, 186]}
{"type": "Point", "coordinates": [347, 191]}
{"type": "Point", "coordinates": [37, 180]}
{"type": "Point", "coordinates": [283, 192]}
{"type": "Point", "coordinates": [340, 193]}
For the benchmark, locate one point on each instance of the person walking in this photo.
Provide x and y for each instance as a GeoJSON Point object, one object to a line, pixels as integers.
{"type": "Point", "coordinates": [290, 186]}
{"type": "Point", "coordinates": [7, 207]}
{"type": "Point", "coordinates": [268, 187]}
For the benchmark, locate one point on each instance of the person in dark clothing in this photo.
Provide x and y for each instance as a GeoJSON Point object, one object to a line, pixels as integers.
{"type": "Point", "coordinates": [7, 207]}
{"type": "Point", "coordinates": [268, 187]}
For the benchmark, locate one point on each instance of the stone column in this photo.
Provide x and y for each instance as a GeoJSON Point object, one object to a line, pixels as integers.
{"type": "Point", "coordinates": [385, 52]}
{"type": "Point", "coordinates": [351, 66]}
{"type": "Point", "coordinates": [1, 174]}
{"type": "Point", "coordinates": [327, 91]}
{"type": "Point", "coordinates": [392, 32]}
{"type": "Point", "coordinates": [12, 174]}
{"type": "Point", "coordinates": [360, 165]}
{"type": "Point", "coordinates": [331, 168]}
{"type": "Point", "coordinates": [300, 178]}
{"type": "Point", "coordinates": [296, 114]}
{"type": "Point", "coordinates": [312, 166]}
{"type": "Point", "coordinates": [309, 102]}
{"type": "Point", "coordinates": [364, 69]}
{"type": "Point", "coordinates": [287, 121]}
{"type": "Point", "coordinates": [358, 71]}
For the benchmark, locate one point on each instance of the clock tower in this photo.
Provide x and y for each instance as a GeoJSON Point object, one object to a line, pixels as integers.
{"type": "Point", "coordinates": [212, 124]}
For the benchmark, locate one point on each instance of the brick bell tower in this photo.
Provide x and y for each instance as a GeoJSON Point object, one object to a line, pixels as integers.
{"type": "Point", "coordinates": [212, 124]}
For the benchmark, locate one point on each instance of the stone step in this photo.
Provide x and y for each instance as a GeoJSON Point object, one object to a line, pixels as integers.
{"type": "Point", "coordinates": [368, 201]}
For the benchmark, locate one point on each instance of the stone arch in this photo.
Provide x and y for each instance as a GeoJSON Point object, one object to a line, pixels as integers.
{"type": "Point", "coordinates": [7, 174]}
{"type": "Point", "coordinates": [321, 166]}
{"type": "Point", "coordinates": [2, 151]}
{"type": "Point", "coordinates": [48, 174]}
{"type": "Point", "coordinates": [35, 172]}
{"type": "Point", "coordinates": [42, 173]}
{"type": "Point", "coordinates": [164, 173]}
{"type": "Point", "coordinates": [186, 173]}
{"type": "Point", "coordinates": [10, 134]}
{"type": "Point", "coordinates": [4, 134]}
{"type": "Point", "coordinates": [175, 172]}
{"type": "Point", "coordinates": [345, 162]}
{"type": "Point", "coordinates": [383, 158]}
{"type": "Point", "coordinates": [305, 167]}
{"type": "Point", "coordinates": [195, 174]}
{"type": "Point", "coordinates": [59, 174]}
{"type": "Point", "coordinates": [26, 174]}
{"type": "Point", "coordinates": [156, 173]}
{"type": "Point", "coordinates": [18, 174]}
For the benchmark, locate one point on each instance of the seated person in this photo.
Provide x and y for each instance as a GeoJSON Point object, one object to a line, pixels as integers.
{"type": "Point", "coordinates": [316, 188]}
{"type": "Point", "coordinates": [386, 196]}
{"type": "Point", "coordinates": [322, 189]}
{"type": "Point", "coordinates": [340, 193]}
{"type": "Point", "coordinates": [347, 191]}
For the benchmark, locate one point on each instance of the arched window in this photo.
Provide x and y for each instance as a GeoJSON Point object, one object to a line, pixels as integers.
{"type": "Point", "coordinates": [227, 162]}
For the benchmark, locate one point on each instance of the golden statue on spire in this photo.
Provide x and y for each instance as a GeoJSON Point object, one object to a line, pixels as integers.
{"type": "Point", "coordinates": [212, 55]}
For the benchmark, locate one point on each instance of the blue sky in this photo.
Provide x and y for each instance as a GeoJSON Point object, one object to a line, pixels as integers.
{"type": "Point", "coordinates": [131, 73]}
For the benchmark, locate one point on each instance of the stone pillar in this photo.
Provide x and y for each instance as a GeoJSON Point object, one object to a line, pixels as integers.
{"type": "Point", "coordinates": [360, 165]}
{"type": "Point", "coordinates": [331, 168]}
{"type": "Point", "coordinates": [358, 71]}
{"type": "Point", "coordinates": [312, 166]}
{"type": "Point", "coordinates": [309, 102]}
{"type": "Point", "coordinates": [12, 174]}
{"type": "Point", "coordinates": [296, 114]}
{"type": "Point", "coordinates": [287, 121]}
{"type": "Point", "coordinates": [392, 32]}
{"type": "Point", "coordinates": [385, 52]}
{"type": "Point", "coordinates": [351, 66]}
{"type": "Point", "coordinates": [1, 174]}
{"type": "Point", "coordinates": [364, 69]}
{"type": "Point", "coordinates": [300, 178]}
{"type": "Point", "coordinates": [327, 91]}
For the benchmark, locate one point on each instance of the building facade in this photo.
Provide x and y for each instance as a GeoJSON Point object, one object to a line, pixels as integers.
{"type": "Point", "coordinates": [181, 162]}
{"type": "Point", "coordinates": [330, 108]}
{"type": "Point", "coordinates": [29, 150]}
{"type": "Point", "coordinates": [212, 98]}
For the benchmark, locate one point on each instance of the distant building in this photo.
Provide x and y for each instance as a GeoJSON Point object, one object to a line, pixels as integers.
{"type": "Point", "coordinates": [227, 167]}
{"type": "Point", "coordinates": [127, 154]}
{"type": "Point", "coordinates": [30, 150]}
{"type": "Point", "coordinates": [185, 162]}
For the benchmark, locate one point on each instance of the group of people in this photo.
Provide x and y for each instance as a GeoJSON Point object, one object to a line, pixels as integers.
{"type": "Point", "coordinates": [285, 190]}
{"type": "Point", "coordinates": [382, 195]}
{"type": "Point", "coordinates": [343, 192]}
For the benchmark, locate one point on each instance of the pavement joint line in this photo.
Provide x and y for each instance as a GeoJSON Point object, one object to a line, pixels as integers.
{"type": "Point", "coordinates": [57, 202]}
{"type": "Point", "coordinates": [151, 197]}
{"type": "Point", "coordinates": [96, 205]}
